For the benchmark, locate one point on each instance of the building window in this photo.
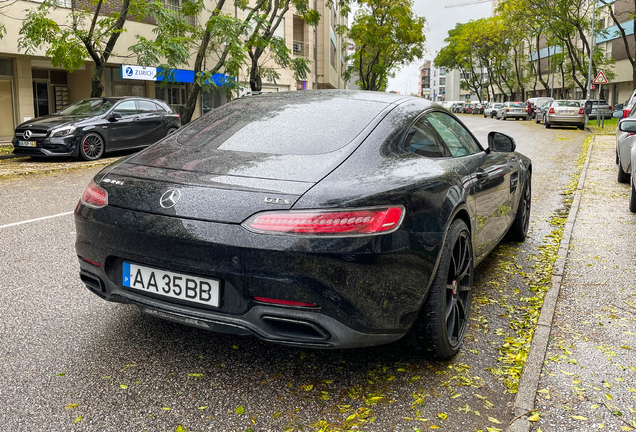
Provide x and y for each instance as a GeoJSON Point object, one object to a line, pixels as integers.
{"type": "Point", "coordinates": [117, 86]}
{"type": "Point", "coordinates": [334, 56]}
{"type": "Point", "coordinates": [174, 94]}
{"type": "Point", "coordinates": [442, 81]}
{"type": "Point", "coordinates": [212, 98]}
{"type": "Point", "coordinates": [175, 6]}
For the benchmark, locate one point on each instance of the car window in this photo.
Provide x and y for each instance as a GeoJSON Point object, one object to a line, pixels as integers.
{"type": "Point", "coordinates": [457, 139]}
{"type": "Point", "coordinates": [517, 104]}
{"type": "Point", "coordinates": [571, 104]}
{"type": "Point", "coordinates": [146, 106]}
{"type": "Point", "coordinates": [126, 108]}
{"type": "Point", "coordinates": [423, 140]}
{"type": "Point", "coordinates": [160, 108]}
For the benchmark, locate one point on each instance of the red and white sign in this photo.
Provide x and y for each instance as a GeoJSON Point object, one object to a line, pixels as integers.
{"type": "Point", "coordinates": [600, 78]}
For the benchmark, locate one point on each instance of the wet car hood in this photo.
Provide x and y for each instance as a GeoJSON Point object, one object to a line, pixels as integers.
{"type": "Point", "coordinates": [52, 121]}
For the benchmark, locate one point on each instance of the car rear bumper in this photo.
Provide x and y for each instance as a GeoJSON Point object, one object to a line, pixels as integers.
{"type": "Point", "coordinates": [566, 120]}
{"type": "Point", "coordinates": [369, 293]}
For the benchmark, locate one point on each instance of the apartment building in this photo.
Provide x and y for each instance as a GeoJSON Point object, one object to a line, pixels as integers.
{"type": "Point", "coordinates": [424, 88]}
{"type": "Point", "coordinates": [607, 37]}
{"type": "Point", "coordinates": [30, 86]}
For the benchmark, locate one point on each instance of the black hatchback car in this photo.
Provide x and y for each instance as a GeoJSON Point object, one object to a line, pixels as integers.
{"type": "Point", "coordinates": [327, 219]}
{"type": "Point", "coordinates": [92, 127]}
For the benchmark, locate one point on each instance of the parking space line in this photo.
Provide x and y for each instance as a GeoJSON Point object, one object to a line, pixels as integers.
{"type": "Point", "coordinates": [35, 220]}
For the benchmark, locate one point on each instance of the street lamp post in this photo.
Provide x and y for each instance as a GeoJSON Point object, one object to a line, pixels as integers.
{"type": "Point", "coordinates": [589, 69]}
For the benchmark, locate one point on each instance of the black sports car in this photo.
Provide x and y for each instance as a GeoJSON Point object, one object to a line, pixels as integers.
{"type": "Point", "coordinates": [92, 127]}
{"type": "Point", "coordinates": [327, 219]}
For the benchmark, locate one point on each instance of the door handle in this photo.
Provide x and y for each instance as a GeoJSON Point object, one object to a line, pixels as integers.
{"type": "Point", "coordinates": [137, 118]}
{"type": "Point", "coordinates": [482, 176]}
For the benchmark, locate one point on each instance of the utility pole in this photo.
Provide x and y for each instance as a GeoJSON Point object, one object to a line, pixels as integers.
{"type": "Point", "coordinates": [589, 69]}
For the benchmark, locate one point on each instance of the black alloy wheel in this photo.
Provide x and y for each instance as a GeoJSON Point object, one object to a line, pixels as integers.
{"type": "Point", "coordinates": [440, 328]}
{"type": "Point", "coordinates": [91, 146]}
{"type": "Point", "coordinates": [518, 231]}
{"type": "Point", "coordinates": [622, 176]}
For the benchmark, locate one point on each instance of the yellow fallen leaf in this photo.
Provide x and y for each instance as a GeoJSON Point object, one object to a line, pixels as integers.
{"type": "Point", "coordinates": [494, 420]}
{"type": "Point", "coordinates": [579, 417]}
{"type": "Point", "coordinates": [71, 406]}
{"type": "Point", "coordinates": [567, 373]}
{"type": "Point", "coordinates": [534, 417]}
{"type": "Point", "coordinates": [124, 386]}
{"type": "Point", "coordinates": [78, 419]}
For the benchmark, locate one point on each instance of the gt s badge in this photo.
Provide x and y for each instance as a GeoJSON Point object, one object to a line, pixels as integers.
{"type": "Point", "coordinates": [270, 200]}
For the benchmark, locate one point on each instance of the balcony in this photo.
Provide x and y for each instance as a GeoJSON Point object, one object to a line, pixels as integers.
{"type": "Point", "coordinates": [300, 48]}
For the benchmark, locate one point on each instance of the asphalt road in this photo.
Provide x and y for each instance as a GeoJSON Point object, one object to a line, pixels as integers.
{"type": "Point", "coordinates": [70, 361]}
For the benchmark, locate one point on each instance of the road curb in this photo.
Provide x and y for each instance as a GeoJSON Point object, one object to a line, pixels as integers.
{"type": "Point", "coordinates": [529, 382]}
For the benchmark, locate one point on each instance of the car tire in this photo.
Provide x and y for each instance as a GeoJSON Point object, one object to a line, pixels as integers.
{"type": "Point", "coordinates": [632, 198]}
{"type": "Point", "coordinates": [447, 307]}
{"type": "Point", "coordinates": [91, 146]}
{"type": "Point", "coordinates": [516, 118]}
{"type": "Point", "coordinates": [503, 117]}
{"type": "Point", "coordinates": [536, 120]}
{"type": "Point", "coordinates": [171, 131]}
{"type": "Point", "coordinates": [518, 231]}
{"type": "Point", "coordinates": [547, 125]}
{"type": "Point", "coordinates": [617, 159]}
{"type": "Point", "coordinates": [622, 176]}
{"type": "Point", "coordinates": [582, 127]}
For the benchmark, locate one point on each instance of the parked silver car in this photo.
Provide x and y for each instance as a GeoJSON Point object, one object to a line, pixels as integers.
{"type": "Point", "coordinates": [537, 102]}
{"type": "Point", "coordinates": [491, 109]}
{"type": "Point", "coordinates": [564, 113]}
{"type": "Point", "coordinates": [626, 156]}
{"type": "Point", "coordinates": [516, 110]}
{"type": "Point", "coordinates": [598, 108]}
{"type": "Point", "coordinates": [540, 111]}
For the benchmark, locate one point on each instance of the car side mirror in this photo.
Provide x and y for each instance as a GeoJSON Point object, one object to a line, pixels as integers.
{"type": "Point", "coordinates": [627, 125]}
{"type": "Point", "coordinates": [618, 107]}
{"type": "Point", "coordinates": [501, 142]}
{"type": "Point", "coordinates": [114, 116]}
{"type": "Point", "coordinates": [618, 114]}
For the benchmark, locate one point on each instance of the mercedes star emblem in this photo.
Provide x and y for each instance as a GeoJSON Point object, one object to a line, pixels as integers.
{"type": "Point", "coordinates": [170, 198]}
{"type": "Point", "coordinates": [27, 134]}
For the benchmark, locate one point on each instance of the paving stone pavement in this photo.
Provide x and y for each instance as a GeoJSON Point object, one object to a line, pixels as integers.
{"type": "Point", "coordinates": [588, 380]}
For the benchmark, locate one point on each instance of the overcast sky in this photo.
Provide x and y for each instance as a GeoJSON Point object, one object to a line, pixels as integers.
{"type": "Point", "coordinates": [439, 21]}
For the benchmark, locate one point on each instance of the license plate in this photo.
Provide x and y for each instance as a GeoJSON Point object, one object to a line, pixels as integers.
{"type": "Point", "coordinates": [170, 284]}
{"type": "Point", "coordinates": [26, 143]}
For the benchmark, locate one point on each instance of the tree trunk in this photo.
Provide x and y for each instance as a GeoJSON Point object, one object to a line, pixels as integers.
{"type": "Point", "coordinates": [256, 82]}
{"type": "Point", "coordinates": [97, 89]}
{"type": "Point", "coordinates": [543, 82]}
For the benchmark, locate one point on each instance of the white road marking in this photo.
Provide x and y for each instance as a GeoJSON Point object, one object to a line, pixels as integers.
{"type": "Point", "coordinates": [35, 220]}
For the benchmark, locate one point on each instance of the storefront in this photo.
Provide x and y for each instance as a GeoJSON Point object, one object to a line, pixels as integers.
{"type": "Point", "coordinates": [175, 92]}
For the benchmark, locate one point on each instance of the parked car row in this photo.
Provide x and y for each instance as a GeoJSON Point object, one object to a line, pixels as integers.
{"type": "Point", "coordinates": [626, 152]}
{"type": "Point", "coordinates": [93, 127]}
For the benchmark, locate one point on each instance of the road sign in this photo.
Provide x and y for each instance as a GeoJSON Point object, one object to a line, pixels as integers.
{"type": "Point", "coordinates": [600, 78]}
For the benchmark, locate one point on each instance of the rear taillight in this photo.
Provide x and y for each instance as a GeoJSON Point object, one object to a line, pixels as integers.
{"type": "Point", "coordinates": [551, 111]}
{"type": "Point", "coordinates": [94, 196]}
{"type": "Point", "coordinates": [178, 116]}
{"type": "Point", "coordinates": [581, 112]}
{"type": "Point", "coordinates": [507, 109]}
{"type": "Point", "coordinates": [610, 108]}
{"type": "Point", "coordinates": [327, 222]}
{"type": "Point", "coordinates": [625, 113]}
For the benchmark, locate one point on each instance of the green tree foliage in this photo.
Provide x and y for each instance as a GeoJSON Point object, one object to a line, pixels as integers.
{"type": "Point", "coordinates": [387, 35]}
{"type": "Point", "coordinates": [86, 34]}
{"type": "Point", "coordinates": [233, 43]}
{"type": "Point", "coordinates": [262, 46]}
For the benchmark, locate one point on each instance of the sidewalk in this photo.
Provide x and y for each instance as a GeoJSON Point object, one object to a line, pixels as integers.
{"type": "Point", "coordinates": [588, 380]}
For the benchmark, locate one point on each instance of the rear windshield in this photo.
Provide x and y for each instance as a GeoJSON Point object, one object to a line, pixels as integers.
{"type": "Point", "coordinates": [274, 125]}
{"type": "Point", "coordinates": [517, 104]}
{"type": "Point", "coordinates": [571, 104]}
